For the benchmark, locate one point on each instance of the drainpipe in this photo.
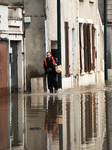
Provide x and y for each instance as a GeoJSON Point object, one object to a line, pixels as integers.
{"type": "Point", "coordinates": [59, 39]}
{"type": "Point", "coordinates": [77, 39]}
{"type": "Point", "coordinates": [25, 84]}
{"type": "Point", "coordinates": [25, 62]}
{"type": "Point", "coordinates": [46, 41]}
{"type": "Point", "coordinates": [105, 39]}
{"type": "Point", "coordinates": [46, 47]}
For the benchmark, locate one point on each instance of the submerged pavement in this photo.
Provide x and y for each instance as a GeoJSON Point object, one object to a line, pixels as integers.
{"type": "Point", "coordinates": [73, 119]}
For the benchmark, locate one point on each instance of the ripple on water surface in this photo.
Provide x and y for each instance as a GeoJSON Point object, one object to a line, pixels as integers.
{"type": "Point", "coordinates": [80, 120]}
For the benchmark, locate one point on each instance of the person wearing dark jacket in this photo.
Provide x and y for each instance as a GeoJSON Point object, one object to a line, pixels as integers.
{"type": "Point", "coordinates": [49, 67]}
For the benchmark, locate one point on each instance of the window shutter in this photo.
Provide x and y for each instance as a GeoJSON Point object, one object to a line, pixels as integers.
{"type": "Point", "coordinates": [85, 49]}
{"type": "Point", "coordinates": [67, 49]}
{"type": "Point", "coordinates": [89, 47]}
{"type": "Point", "coordinates": [93, 38]}
{"type": "Point", "coordinates": [80, 47]}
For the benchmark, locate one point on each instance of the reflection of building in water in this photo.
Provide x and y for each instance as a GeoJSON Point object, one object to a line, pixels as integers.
{"type": "Point", "coordinates": [53, 123]}
{"type": "Point", "coordinates": [51, 116]}
{"type": "Point", "coordinates": [3, 122]}
{"type": "Point", "coordinates": [72, 122]}
{"type": "Point", "coordinates": [68, 122]}
{"type": "Point", "coordinates": [36, 134]}
{"type": "Point", "coordinates": [17, 121]}
{"type": "Point", "coordinates": [27, 123]}
{"type": "Point", "coordinates": [109, 119]}
{"type": "Point", "coordinates": [91, 123]}
{"type": "Point", "coordinates": [84, 121]}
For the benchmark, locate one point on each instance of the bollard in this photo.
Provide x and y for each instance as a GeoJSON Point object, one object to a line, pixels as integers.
{"type": "Point", "coordinates": [37, 85]}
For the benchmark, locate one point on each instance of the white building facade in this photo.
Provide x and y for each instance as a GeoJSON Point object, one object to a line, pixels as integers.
{"type": "Point", "coordinates": [11, 29]}
{"type": "Point", "coordinates": [82, 43]}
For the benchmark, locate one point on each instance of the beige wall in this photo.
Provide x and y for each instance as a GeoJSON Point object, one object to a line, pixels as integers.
{"type": "Point", "coordinates": [67, 14]}
{"type": "Point", "coordinates": [88, 10]}
{"type": "Point", "coordinates": [101, 9]}
{"type": "Point", "coordinates": [72, 12]}
{"type": "Point", "coordinates": [89, 13]}
{"type": "Point", "coordinates": [81, 104]}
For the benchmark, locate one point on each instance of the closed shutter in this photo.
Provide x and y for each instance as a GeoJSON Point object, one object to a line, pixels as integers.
{"type": "Point", "coordinates": [80, 47]}
{"type": "Point", "coordinates": [85, 49]}
{"type": "Point", "coordinates": [89, 47]}
{"type": "Point", "coordinates": [67, 49]}
{"type": "Point", "coordinates": [93, 43]}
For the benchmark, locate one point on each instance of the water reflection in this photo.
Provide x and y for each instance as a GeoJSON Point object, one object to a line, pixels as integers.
{"type": "Point", "coordinates": [16, 121]}
{"type": "Point", "coordinates": [3, 123]}
{"type": "Point", "coordinates": [93, 123]}
{"type": "Point", "coordinates": [54, 122]}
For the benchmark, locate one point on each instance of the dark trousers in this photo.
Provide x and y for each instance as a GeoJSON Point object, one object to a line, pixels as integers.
{"type": "Point", "coordinates": [52, 82]}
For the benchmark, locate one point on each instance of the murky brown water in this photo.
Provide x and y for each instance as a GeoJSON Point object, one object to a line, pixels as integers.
{"type": "Point", "coordinates": [72, 120]}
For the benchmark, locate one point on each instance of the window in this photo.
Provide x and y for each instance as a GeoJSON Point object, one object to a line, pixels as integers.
{"type": "Point", "coordinates": [91, 1]}
{"type": "Point", "coordinates": [87, 47]}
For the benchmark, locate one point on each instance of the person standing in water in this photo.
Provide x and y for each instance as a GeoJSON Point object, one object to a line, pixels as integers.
{"type": "Point", "coordinates": [49, 67]}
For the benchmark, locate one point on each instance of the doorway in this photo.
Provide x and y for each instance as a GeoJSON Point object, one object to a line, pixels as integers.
{"type": "Point", "coordinates": [14, 68]}
{"type": "Point", "coordinates": [54, 49]}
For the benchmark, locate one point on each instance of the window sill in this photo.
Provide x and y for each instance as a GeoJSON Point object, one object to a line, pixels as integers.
{"type": "Point", "coordinates": [83, 73]}
{"type": "Point", "coordinates": [91, 1]}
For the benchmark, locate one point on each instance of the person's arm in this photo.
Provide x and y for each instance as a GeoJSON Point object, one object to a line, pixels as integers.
{"type": "Point", "coordinates": [58, 63]}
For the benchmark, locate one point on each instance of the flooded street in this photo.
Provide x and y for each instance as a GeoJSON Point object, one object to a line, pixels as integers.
{"type": "Point", "coordinates": [71, 120]}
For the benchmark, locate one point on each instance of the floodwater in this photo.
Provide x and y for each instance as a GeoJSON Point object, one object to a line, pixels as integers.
{"type": "Point", "coordinates": [71, 120]}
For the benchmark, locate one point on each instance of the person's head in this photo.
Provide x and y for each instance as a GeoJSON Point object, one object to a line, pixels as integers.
{"type": "Point", "coordinates": [49, 55]}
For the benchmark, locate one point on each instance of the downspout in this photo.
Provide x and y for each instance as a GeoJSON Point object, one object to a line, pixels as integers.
{"type": "Point", "coordinates": [46, 47]}
{"type": "Point", "coordinates": [77, 39]}
{"type": "Point", "coordinates": [46, 41]}
{"type": "Point", "coordinates": [105, 39]}
{"type": "Point", "coordinates": [59, 39]}
{"type": "Point", "coordinates": [25, 84]}
{"type": "Point", "coordinates": [44, 9]}
{"type": "Point", "coordinates": [25, 63]}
